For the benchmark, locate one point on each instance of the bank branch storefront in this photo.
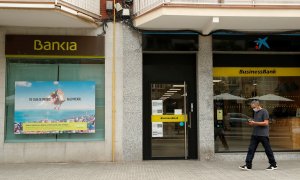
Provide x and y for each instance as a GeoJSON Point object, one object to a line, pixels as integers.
{"type": "Point", "coordinates": [54, 88]}
{"type": "Point", "coordinates": [178, 96]}
{"type": "Point", "coordinates": [265, 68]}
{"type": "Point", "coordinates": [197, 92]}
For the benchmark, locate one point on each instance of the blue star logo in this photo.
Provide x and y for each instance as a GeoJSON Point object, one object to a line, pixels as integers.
{"type": "Point", "coordinates": [263, 42]}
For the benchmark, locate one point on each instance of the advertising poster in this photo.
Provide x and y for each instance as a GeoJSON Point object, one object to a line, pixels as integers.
{"type": "Point", "coordinates": [43, 107]}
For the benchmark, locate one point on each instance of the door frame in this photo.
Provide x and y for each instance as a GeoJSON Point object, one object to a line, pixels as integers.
{"type": "Point", "coordinates": [154, 73]}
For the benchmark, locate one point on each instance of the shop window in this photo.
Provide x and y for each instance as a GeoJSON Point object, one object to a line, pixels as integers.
{"type": "Point", "coordinates": [279, 95]}
{"type": "Point", "coordinates": [272, 79]}
{"type": "Point", "coordinates": [61, 71]}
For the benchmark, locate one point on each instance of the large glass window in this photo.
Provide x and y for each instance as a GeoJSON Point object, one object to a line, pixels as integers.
{"type": "Point", "coordinates": [279, 95]}
{"type": "Point", "coordinates": [55, 70]}
{"type": "Point", "coordinates": [245, 69]}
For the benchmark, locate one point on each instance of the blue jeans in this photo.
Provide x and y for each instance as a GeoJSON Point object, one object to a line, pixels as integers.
{"type": "Point", "coordinates": [255, 140]}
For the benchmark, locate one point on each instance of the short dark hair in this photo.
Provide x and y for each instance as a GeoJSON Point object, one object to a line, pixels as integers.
{"type": "Point", "coordinates": [256, 102]}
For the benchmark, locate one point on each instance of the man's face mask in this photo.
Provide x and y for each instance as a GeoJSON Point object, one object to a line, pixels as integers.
{"type": "Point", "coordinates": [255, 109]}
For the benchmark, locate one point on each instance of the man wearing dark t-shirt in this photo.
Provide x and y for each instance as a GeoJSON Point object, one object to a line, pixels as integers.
{"type": "Point", "coordinates": [260, 134]}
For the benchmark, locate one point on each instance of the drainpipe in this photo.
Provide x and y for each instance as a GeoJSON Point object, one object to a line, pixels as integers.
{"type": "Point", "coordinates": [114, 84]}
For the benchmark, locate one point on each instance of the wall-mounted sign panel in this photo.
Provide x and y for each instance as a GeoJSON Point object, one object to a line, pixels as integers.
{"type": "Point", "coordinates": [254, 72]}
{"type": "Point", "coordinates": [257, 43]}
{"type": "Point", "coordinates": [46, 46]}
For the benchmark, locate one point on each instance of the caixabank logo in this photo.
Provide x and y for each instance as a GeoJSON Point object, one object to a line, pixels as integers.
{"type": "Point", "coordinates": [261, 43]}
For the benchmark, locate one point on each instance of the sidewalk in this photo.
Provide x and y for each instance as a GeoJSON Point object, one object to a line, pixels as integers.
{"type": "Point", "coordinates": [149, 170]}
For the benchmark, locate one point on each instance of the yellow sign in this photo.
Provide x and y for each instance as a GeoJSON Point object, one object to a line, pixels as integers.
{"type": "Point", "coordinates": [254, 71]}
{"type": "Point", "coordinates": [54, 46]}
{"type": "Point", "coordinates": [168, 118]}
{"type": "Point", "coordinates": [219, 114]}
{"type": "Point", "coordinates": [57, 126]}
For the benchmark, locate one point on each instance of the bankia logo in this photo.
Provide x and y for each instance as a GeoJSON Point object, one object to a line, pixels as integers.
{"type": "Point", "coordinates": [261, 42]}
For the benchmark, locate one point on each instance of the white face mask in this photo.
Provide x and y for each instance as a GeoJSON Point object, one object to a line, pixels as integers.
{"type": "Point", "coordinates": [255, 109]}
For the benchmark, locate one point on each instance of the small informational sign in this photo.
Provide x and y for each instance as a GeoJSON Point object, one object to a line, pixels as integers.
{"type": "Point", "coordinates": [177, 111]}
{"type": "Point", "coordinates": [298, 112]}
{"type": "Point", "coordinates": [157, 107]}
{"type": "Point", "coordinates": [157, 129]}
{"type": "Point", "coordinates": [219, 114]}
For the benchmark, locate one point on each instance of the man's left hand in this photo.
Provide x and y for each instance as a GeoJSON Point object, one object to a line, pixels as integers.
{"type": "Point", "coordinates": [251, 123]}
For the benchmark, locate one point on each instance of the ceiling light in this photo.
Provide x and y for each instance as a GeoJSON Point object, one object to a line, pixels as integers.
{"type": "Point", "coordinates": [163, 98]}
{"type": "Point", "coordinates": [178, 85]}
{"type": "Point", "coordinates": [174, 89]}
{"type": "Point", "coordinates": [167, 95]}
{"type": "Point", "coordinates": [217, 80]}
{"type": "Point", "coordinates": [171, 91]}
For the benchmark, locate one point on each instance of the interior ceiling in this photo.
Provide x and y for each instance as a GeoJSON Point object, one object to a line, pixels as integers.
{"type": "Point", "coordinates": [42, 18]}
{"type": "Point", "coordinates": [204, 22]}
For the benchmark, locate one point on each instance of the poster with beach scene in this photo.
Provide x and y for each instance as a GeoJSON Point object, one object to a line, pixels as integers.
{"type": "Point", "coordinates": [43, 107]}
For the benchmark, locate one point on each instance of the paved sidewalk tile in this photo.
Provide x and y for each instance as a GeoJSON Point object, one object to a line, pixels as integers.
{"type": "Point", "coordinates": [149, 170]}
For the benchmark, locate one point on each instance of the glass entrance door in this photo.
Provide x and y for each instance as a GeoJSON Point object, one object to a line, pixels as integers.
{"type": "Point", "coordinates": [169, 120]}
{"type": "Point", "coordinates": [169, 106]}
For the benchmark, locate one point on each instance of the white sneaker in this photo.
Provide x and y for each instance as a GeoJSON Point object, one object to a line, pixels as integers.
{"type": "Point", "coordinates": [245, 168]}
{"type": "Point", "coordinates": [271, 168]}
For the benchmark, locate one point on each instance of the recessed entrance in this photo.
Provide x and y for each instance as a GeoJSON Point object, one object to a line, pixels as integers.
{"type": "Point", "coordinates": [169, 106]}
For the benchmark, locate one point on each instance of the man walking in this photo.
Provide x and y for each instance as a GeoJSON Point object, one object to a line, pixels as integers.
{"type": "Point", "coordinates": [260, 134]}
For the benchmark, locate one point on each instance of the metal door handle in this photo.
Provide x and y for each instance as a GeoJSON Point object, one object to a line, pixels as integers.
{"type": "Point", "coordinates": [190, 120]}
{"type": "Point", "coordinates": [190, 115]}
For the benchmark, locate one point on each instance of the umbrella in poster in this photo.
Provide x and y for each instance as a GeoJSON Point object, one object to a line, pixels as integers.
{"type": "Point", "coordinates": [271, 97]}
{"type": "Point", "coordinates": [227, 96]}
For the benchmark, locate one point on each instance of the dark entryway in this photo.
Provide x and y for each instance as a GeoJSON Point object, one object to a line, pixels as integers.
{"type": "Point", "coordinates": [169, 106]}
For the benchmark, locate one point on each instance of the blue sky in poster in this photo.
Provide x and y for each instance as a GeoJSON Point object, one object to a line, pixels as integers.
{"type": "Point", "coordinates": [77, 94]}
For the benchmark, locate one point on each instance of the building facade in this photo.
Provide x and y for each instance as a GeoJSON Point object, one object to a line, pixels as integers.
{"type": "Point", "coordinates": [175, 83]}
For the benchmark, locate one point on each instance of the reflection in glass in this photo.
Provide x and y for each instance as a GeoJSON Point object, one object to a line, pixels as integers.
{"type": "Point", "coordinates": [279, 95]}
